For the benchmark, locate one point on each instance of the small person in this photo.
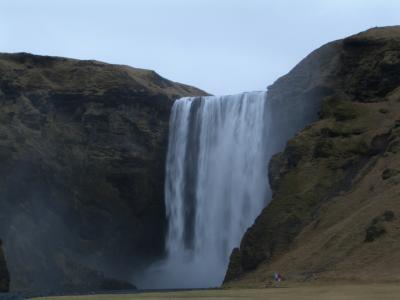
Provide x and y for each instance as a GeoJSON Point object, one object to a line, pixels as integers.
{"type": "Point", "coordinates": [276, 275]}
{"type": "Point", "coordinates": [277, 278]}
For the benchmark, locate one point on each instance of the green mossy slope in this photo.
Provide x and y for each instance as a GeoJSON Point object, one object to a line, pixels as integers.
{"type": "Point", "coordinates": [337, 178]}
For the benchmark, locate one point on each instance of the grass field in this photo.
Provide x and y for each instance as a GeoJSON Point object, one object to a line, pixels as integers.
{"type": "Point", "coordinates": [334, 292]}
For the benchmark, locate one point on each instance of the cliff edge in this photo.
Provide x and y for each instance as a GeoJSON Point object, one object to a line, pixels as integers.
{"type": "Point", "coordinates": [334, 213]}
{"type": "Point", "coordinates": [82, 150]}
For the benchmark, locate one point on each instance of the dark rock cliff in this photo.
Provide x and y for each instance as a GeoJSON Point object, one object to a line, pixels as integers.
{"type": "Point", "coordinates": [82, 149]}
{"type": "Point", "coordinates": [334, 210]}
{"type": "Point", "coordinates": [4, 275]}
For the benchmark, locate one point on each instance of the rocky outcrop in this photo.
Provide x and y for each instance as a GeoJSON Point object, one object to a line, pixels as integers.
{"type": "Point", "coordinates": [82, 149]}
{"type": "Point", "coordinates": [4, 275]}
{"type": "Point", "coordinates": [335, 186]}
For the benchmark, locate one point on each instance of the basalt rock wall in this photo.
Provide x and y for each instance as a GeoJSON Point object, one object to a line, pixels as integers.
{"type": "Point", "coordinates": [82, 150]}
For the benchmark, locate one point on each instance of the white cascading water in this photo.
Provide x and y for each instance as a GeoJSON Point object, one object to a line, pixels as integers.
{"type": "Point", "coordinates": [216, 181]}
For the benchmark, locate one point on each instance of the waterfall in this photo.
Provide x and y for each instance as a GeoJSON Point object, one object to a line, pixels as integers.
{"type": "Point", "coordinates": [216, 181]}
{"type": "Point", "coordinates": [216, 184]}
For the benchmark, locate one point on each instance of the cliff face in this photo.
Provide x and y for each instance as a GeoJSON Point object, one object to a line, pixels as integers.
{"type": "Point", "coordinates": [82, 149]}
{"type": "Point", "coordinates": [4, 275]}
{"type": "Point", "coordinates": [334, 213]}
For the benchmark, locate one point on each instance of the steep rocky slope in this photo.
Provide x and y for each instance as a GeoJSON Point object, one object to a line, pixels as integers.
{"type": "Point", "coordinates": [335, 210]}
{"type": "Point", "coordinates": [4, 275]}
{"type": "Point", "coordinates": [82, 149]}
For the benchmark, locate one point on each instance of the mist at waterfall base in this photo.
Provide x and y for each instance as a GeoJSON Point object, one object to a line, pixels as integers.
{"type": "Point", "coordinates": [216, 182]}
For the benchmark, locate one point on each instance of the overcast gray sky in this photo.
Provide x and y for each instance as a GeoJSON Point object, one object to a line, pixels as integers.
{"type": "Point", "coordinates": [221, 46]}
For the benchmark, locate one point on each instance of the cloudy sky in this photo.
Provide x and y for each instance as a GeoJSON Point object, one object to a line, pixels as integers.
{"type": "Point", "coordinates": [221, 46]}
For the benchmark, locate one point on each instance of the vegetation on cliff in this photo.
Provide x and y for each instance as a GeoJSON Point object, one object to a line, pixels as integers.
{"type": "Point", "coordinates": [82, 149]}
{"type": "Point", "coordinates": [335, 212]}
